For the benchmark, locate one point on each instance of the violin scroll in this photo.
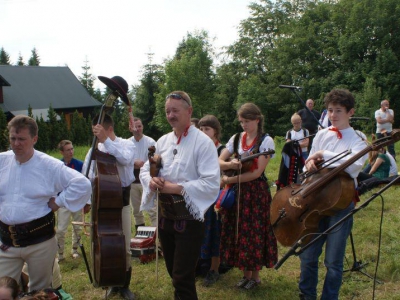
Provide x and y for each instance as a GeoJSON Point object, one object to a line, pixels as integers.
{"type": "Point", "coordinates": [154, 161]}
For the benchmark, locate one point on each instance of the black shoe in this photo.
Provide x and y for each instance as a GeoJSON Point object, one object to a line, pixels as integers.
{"type": "Point", "coordinates": [112, 291]}
{"type": "Point", "coordinates": [126, 294]}
{"type": "Point", "coordinates": [124, 291]}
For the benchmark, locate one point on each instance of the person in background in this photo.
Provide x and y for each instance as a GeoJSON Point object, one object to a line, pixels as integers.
{"type": "Point", "coordinates": [195, 122]}
{"type": "Point", "coordinates": [249, 244]}
{"type": "Point", "coordinates": [310, 117]}
{"type": "Point", "coordinates": [124, 152]}
{"type": "Point", "coordinates": [33, 186]}
{"type": "Point", "coordinates": [210, 125]}
{"type": "Point", "coordinates": [328, 143]}
{"type": "Point", "coordinates": [142, 143]}
{"type": "Point", "coordinates": [324, 120]}
{"type": "Point", "coordinates": [64, 215]}
{"type": "Point", "coordinates": [188, 184]}
{"type": "Point", "coordinates": [384, 123]}
{"type": "Point", "coordinates": [9, 288]}
{"type": "Point", "coordinates": [298, 133]}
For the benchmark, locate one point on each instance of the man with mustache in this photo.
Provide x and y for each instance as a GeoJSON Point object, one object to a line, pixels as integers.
{"type": "Point", "coordinates": [188, 183]}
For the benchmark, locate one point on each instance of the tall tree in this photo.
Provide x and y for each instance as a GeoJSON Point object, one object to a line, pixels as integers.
{"type": "Point", "coordinates": [227, 82]}
{"type": "Point", "coordinates": [20, 61]}
{"type": "Point", "coordinates": [87, 79]}
{"type": "Point", "coordinates": [144, 95]}
{"type": "Point", "coordinates": [4, 57]}
{"type": "Point", "coordinates": [189, 70]}
{"type": "Point", "coordinates": [34, 60]}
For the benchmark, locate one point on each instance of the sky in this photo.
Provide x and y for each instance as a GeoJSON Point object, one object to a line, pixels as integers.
{"type": "Point", "coordinates": [114, 36]}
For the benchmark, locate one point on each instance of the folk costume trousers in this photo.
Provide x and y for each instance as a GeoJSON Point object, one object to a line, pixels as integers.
{"type": "Point", "coordinates": [181, 242]}
{"type": "Point", "coordinates": [63, 220]}
{"type": "Point", "coordinates": [39, 258]}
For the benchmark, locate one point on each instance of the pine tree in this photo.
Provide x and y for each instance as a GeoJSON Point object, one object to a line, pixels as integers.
{"type": "Point", "coordinates": [87, 79]}
{"type": "Point", "coordinates": [35, 59]}
{"type": "Point", "coordinates": [4, 57]}
{"type": "Point", "coordinates": [20, 60]}
{"type": "Point", "coordinates": [30, 114]}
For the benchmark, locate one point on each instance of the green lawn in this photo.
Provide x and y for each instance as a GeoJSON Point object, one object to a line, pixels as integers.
{"type": "Point", "coordinates": [381, 217]}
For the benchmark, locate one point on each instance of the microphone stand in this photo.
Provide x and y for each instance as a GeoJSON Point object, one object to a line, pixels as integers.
{"type": "Point", "coordinates": [305, 106]}
{"type": "Point", "coordinates": [293, 250]}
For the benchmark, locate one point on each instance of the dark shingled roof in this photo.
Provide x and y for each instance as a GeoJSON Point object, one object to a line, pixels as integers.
{"type": "Point", "coordinates": [41, 86]}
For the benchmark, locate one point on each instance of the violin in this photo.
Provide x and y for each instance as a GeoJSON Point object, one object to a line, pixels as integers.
{"type": "Point", "coordinates": [154, 161]}
{"type": "Point", "coordinates": [247, 162]}
{"type": "Point", "coordinates": [297, 208]}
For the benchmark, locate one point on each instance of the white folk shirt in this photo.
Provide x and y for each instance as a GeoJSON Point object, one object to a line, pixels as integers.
{"type": "Point", "coordinates": [124, 151]}
{"type": "Point", "coordinates": [25, 189]}
{"type": "Point", "coordinates": [383, 115]}
{"type": "Point", "coordinates": [351, 140]}
{"type": "Point", "coordinates": [195, 167]}
{"type": "Point", "coordinates": [142, 147]}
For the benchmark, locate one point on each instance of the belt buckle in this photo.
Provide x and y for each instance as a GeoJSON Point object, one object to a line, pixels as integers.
{"type": "Point", "coordinates": [13, 234]}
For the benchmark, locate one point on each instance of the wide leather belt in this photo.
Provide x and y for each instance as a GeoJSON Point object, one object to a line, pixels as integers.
{"type": "Point", "coordinates": [173, 207]}
{"type": "Point", "coordinates": [30, 233]}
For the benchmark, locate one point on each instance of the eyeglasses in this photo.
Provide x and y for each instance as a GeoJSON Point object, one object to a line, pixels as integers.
{"type": "Point", "coordinates": [177, 97]}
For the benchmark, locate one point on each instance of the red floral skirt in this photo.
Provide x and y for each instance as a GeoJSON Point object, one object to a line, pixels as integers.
{"type": "Point", "coordinates": [256, 243]}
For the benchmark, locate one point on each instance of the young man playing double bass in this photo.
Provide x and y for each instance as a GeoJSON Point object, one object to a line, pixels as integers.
{"type": "Point", "coordinates": [328, 143]}
{"type": "Point", "coordinates": [123, 150]}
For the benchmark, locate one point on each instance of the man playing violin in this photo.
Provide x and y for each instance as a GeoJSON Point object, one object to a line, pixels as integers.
{"type": "Point", "coordinates": [328, 143]}
{"type": "Point", "coordinates": [124, 151]}
{"type": "Point", "coordinates": [188, 184]}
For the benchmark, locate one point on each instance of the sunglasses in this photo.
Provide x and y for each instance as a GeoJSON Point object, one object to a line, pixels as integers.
{"type": "Point", "coordinates": [177, 97]}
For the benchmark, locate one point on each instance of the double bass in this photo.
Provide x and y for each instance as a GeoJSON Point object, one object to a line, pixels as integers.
{"type": "Point", "coordinates": [297, 208]}
{"type": "Point", "coordinates": [108, 249]}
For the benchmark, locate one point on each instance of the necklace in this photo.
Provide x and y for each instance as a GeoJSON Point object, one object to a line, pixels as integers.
{"type": "Point", "coordinates": [246, 147]}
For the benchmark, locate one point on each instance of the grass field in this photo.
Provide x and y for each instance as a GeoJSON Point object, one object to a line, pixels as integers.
{"type": "Point", "coordinates": [380, 218]}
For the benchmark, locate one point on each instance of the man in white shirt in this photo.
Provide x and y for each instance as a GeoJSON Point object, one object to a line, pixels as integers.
{"type": "Point", "coordinates": [33, 186]}
{"type": "Point", "coordinates": [188, 183]}
{"type": "Point", "coordinates": [384, 123]}
{"type": "Point", "coordinates": [142, 143]}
